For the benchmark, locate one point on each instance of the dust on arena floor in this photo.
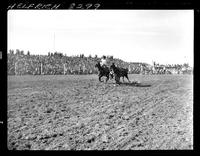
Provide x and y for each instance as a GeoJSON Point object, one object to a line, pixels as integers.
{"type": "Point", "coordinates": [76, 112]}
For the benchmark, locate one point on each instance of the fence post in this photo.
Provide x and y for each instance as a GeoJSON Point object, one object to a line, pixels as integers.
{"type": "Point", "coordinates": [41, 70]}
{"type": "Point", "coordinates": [15, 68]}
{"type": "Point", "coordinates": [64, 68]}
{"type": "Point", "coordinates": [129, 68]}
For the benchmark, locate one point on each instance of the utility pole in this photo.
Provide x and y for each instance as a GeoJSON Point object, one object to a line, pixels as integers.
{"type": "Point", "coordinates": [41, 69]}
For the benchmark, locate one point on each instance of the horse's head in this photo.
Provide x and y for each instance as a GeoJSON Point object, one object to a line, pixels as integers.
{"type": "Point", "coordinates": [112, 67]}
{"type": "Point", "coordinates": [98, 65]}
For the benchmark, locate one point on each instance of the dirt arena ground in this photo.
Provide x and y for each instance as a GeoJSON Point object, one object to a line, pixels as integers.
{"type": "Point", "coordinates": [76, 112]}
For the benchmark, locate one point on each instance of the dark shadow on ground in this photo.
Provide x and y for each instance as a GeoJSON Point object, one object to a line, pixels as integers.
{"type": "Point", "coordinates": [134, 84]}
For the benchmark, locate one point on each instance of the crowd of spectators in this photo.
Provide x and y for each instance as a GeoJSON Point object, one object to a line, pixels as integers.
{"type": "Point", "coordinates": [56, 63]}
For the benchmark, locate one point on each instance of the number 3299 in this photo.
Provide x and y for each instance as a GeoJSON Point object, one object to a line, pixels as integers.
{"type": "Point", "coordinates": [84, 6]}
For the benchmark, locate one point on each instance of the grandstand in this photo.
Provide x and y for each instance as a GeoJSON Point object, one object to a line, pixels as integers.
{"type": "Point", "coordinates": [56, 63]}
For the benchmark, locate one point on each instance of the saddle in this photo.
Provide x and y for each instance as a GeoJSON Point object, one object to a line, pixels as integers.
{"type": "Point", "coordinates": [104, 66]}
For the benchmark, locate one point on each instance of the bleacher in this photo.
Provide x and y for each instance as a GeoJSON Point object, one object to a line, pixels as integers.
{"type": "Point", "coordinates": [56, 63]}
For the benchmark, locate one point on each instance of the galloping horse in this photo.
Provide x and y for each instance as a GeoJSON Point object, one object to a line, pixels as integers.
{"type": "Point", "coordinates": [119, 72]}
{"type": "Point", "coordinates": [103, 71]}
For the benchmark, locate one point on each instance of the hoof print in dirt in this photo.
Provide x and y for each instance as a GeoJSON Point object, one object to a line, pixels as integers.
{"type": "Point", "coordinates": [126, 117]}
{"type": "Point", "coordinates": [104, 138]}
{"type": "Point", "coordinates": [28, 146]}
{"type": "Point", "coordinates": [91, 139]}
{"type": "Point", "coordinates": [66, 146]}
{"type": "Point", "coordinates": [111, 116]}
{"type": "Point", "coordinates": [49, 110]}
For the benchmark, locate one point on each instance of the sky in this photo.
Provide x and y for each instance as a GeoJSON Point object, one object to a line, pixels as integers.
{"type": "Point", "coordinates": [164, 36]}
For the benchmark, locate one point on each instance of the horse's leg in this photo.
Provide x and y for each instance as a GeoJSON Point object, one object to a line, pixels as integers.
{"type": "Point", "coordinates": [127, 78]}
{"type": "Point", "coordinates": [107, 77]}
{"type": "Point", "coordinates": [113, 76]}
{"type": "Point", "coordinates": [110, 76]}
{"type": "Point", "coordinates": [117, 79]}
{"type": "Point", "coordinates": [100, 78]}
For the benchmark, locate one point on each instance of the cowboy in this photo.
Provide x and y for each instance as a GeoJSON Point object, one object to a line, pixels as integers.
{"type": "Point", "coordinates": [104, 61]}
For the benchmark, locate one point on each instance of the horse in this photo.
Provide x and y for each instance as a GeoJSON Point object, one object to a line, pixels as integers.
{"type": "Point", "coordinates": [119, 72]}
{"type": "Point", "coordinates": [103, 71]}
